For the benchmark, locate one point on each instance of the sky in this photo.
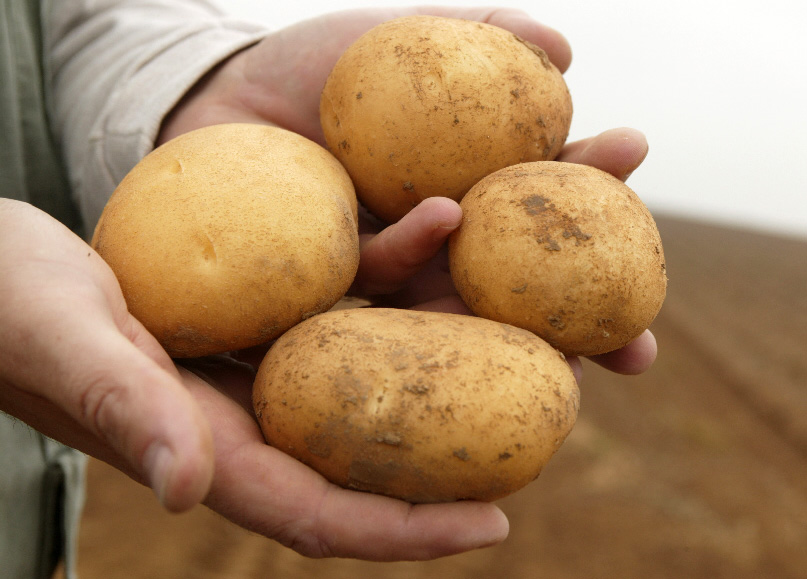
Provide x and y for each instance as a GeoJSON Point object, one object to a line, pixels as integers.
{"type": "Point", "coordinates": [719, 88]}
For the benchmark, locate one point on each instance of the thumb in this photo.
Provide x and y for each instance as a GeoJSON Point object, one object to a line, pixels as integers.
{"type": "Point", "coordinates": [390, 258]}
{"type": "Point", "coordinates": [140, 408]}
{"type": "Point", "coordinates": [124, 407]}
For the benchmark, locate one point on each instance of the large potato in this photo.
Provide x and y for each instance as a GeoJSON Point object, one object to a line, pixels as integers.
{"type": "Point", "coordinates": [566, 251]}
{"type": "Point", "coordinates": [225, 237]}
{"type": "Point", "coordinates": [422, 406]}
{"type": "Point", "coordinates": [426, 106]}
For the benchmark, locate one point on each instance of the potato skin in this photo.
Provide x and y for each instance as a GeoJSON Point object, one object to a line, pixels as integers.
{"type": "Point", "coordinates": [566, 251]}
{"type": "Point", "coordinates": [426, 106]}
{"type": "Point", "coordinates": [225, 237]}
{"type": "Point", "coordinates": [421, 406]}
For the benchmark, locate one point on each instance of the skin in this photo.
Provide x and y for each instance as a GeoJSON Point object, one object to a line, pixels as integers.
{"type": "Point", "coordinates": [76, 366]}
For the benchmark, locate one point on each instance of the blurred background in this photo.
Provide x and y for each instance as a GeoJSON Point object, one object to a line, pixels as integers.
{"type": "Point", "coordinates": [696, 469]}
{"type": "Point", "coordinates": [719, 88]}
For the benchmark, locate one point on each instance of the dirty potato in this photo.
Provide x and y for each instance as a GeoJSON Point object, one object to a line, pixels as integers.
{"type": "Point", "coordinates": [421, 406]}
{"type": "Point", "coordinates": [566, 251]}
{"type": "Point", "coordinates": [426, 106]}
{"type": "Point", "coordinates": [227, 236]}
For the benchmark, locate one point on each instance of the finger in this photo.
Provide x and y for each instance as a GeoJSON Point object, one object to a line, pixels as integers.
{"type": "Point", "coordinates": [130, 404]}
{"type": "Point", "coordinates": [616, 151]}
{"type": "Point", "coordinates": [393, 256]}
{"type": "Point", "coordinates": [298, 508]}
{"type": "Point", "coordinates": [577, 367]}
{"type": "Point", "coordinates": [144, 412]}
{"type": "Point", "coordinates": [83, 371]}
{"type": "Point", "coordinates": [451, 304]}
{"type": "Point", "coordinates": [518, 22]}
{"type": "Point", "coordinates": [635, 358]}
{"type": "Point", "coordinates": [376, 528]}
{"type": "Point", "coordinates": [230, 375]}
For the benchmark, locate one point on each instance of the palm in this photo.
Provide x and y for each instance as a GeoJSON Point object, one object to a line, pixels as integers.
{"type": "Point", "coordinates": [268, 492]}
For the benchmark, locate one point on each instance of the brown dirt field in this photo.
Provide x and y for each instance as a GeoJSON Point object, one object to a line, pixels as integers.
{"type": "Point", "coordinates": [696, 469]}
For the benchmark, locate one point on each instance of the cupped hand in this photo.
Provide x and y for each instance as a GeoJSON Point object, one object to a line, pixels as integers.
{"type": "Point", "coordinates": [406, 264]}
{"type": "Point", "coordinates": [266, 491]}
{"type": "Point", "coordinates": [278, 81]}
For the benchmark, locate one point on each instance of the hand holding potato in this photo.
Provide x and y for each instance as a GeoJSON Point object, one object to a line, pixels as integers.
{"type": "Point", "coordinates": [123, 400]}
{"type": "Point", "coordinates": [405, 264]}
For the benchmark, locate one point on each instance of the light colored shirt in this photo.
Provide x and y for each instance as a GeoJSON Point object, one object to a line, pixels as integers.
{"type": "Point", "coordinates": [116, 68]}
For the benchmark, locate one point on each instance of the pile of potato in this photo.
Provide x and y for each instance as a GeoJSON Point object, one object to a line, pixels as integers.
{"type": "Point", "coordinates": [238, 235]}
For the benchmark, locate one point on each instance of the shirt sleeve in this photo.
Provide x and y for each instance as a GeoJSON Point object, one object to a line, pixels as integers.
{"type": "Point", "coordinates": [115, 68]}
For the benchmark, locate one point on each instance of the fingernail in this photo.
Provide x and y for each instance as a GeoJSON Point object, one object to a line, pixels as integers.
{"type": "Point", "coordinates": [492, 534]}
{"type": "Point", "coordinates": [158, 462]}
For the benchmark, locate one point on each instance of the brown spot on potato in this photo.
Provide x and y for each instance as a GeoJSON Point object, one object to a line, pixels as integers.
{"type": "Point", "coordinates": [462, 454]}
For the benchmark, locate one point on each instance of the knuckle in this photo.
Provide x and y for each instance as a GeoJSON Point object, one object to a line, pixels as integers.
{"type": "Point", "coordinates": [311, 546]}
{"type": "Point", "coordinates": [307, 535]}
{"type": "Point", "coordinates": [100, 402]}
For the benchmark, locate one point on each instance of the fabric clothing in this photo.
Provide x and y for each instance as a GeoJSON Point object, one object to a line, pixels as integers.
{"type": "Point", "coordinates": [116, 68]}
{"type": "Point", "coordinates": [41, 495]}
{"type": "Point", "coordinates": [84, 86]}
{"type": "Point", "coordinates": [30, 164]}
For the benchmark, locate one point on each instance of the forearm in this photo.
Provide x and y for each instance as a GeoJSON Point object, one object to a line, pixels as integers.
{"type": "Point", "coordinates": [115, 69]}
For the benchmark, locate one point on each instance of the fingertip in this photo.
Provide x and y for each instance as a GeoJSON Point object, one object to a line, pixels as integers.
{"type": "Point", "coordinates": [442, 214]}
{"type": "Point", "coordinates": [180, 479]}
{"type": "Point", "coordinates": [627, 149]}
{"type": "Point", "coordinates": [551, 41]}
{"type": "Point", "coordinates": [577, 368]}
{"type": "Point", "coordinates": [167, 437]}
{"type": "Point", "coordinates": [633, 359]}
{"type": "Point", "coordinates": [499, 528]}
{"type": "Point", "coordinates": [617, 151]}
{"type": "Point", "coordinates": [485, 526]}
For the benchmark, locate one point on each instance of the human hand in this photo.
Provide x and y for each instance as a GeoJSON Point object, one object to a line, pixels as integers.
{"type": "Point", "coordinates": [315, 517]}
{"type": "Point", "coordinates": [278, 82]}
{"type": "Point", "coordinates": [77, 367]}
{"type": "Point", "coordinates": [406, 264]}
{"type": "Point", "coordinates": [268, 492]}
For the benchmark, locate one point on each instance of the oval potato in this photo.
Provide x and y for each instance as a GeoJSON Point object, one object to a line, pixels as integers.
{"type": "Point", "coordinates": [225, 237]}
{"type": "Point", "coordinates": [426, 106]}
{"type": "Point", "coordinates": [566, 251]}
{"type": "Point", "coordinates": [421, 406]}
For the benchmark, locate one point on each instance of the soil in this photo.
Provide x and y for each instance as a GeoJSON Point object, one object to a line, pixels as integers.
{"type": "Point", "coordinates": [696, 469]}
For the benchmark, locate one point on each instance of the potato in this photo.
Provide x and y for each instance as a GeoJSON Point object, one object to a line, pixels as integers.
{"type": "Point", "coordinates": [566, 251]}
{"type": "Point", "coordinates": [421, 406]}
{"type": "Point", "coordinates": [426, 106]}
{"type": "Point", "coordinates": [227, 236]}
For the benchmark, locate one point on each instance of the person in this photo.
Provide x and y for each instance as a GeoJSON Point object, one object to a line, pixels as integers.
{"type": "Point", "coordinates": [89, 87]}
